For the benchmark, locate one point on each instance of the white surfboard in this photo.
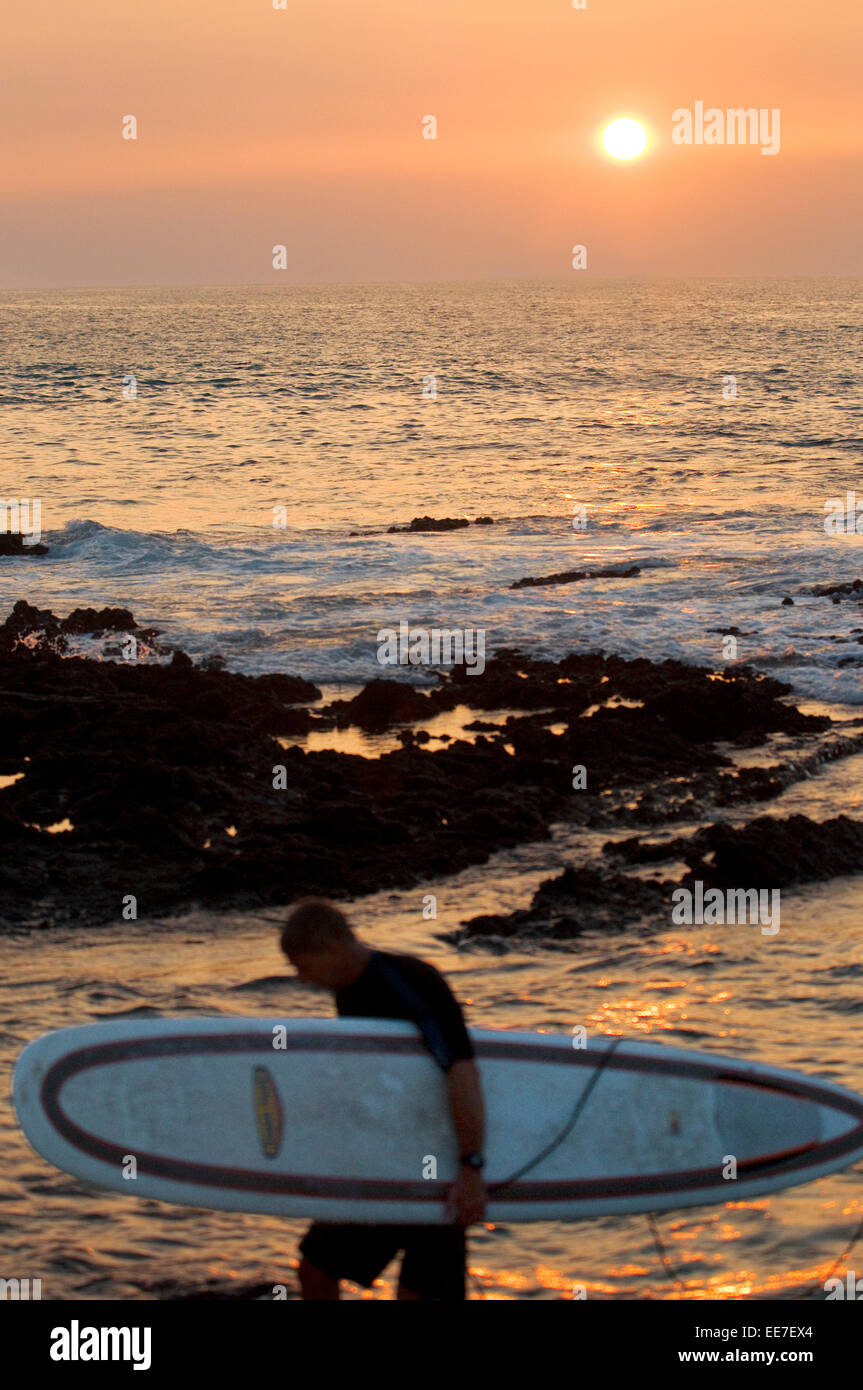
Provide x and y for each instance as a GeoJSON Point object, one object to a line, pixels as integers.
{"type": "Point", "coordinates": [348, 1120]}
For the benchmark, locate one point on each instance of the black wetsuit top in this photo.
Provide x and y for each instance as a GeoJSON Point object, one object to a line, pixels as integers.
{"type": "Point", "coordinates": [397, 986]}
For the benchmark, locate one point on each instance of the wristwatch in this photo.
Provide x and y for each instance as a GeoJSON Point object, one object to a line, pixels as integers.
{"type": "Point", "coordinates": [474, 1160]}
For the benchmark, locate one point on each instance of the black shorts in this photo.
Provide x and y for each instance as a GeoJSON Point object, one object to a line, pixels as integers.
{"type": "Point", "coordinates": [433, 1264]}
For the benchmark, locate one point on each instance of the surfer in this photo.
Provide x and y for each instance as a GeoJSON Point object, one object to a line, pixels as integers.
{"type": "Point", "coordinates": [319, 942]}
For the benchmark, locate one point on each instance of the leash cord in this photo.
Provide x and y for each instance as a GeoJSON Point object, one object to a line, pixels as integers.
{"type": "Point", "coordinates": [678, 1282]}
{"type": "Point", "coordinates": [558, 1140]}
{"type": "Point", "coordinates": [568, 1127]}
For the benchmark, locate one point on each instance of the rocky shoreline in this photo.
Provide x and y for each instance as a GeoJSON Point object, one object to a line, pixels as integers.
{"type": "Point", "coordinates": [767, 853]}
{"type": "Point", "coordinates": [165, 783]}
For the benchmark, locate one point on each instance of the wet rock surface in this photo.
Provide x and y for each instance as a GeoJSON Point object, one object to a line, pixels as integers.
{"type": "Point", "coordinates": [854, 586]}
{"type": "Point", "coordinates": [427, 525]}
{"type": "Point", "coordinates": [380, 704]}
{"type": "Point", "coordinates": [430, 523]}
{"type": "Point", "coordinates": [768, 852]}
{"type": "Point", "coordinates": [168, 782]}
{"type": "Point", "coordinates": [576, 901]}
{"type": "Point", "coordinates": [571, 576]}
{"type": "Point", "coordinates": [12, 544]}
{"type": "Point", "coordinates": [35, 628]}
{"type": "Point", "coordinates": [765, 853]}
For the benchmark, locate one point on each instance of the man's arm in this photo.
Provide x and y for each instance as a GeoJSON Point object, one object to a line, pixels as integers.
{"type": "Point", "coordinates": [441, 1022]}
{"type": "Point", "coordinates": [466, 1200]}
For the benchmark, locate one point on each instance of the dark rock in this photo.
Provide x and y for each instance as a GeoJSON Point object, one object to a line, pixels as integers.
{"type": "Point", "coordinates": [12, 544]}
{"type": "Point", "coordinates": [98, 621]}
{"type": "Point", "coordinates": [31, 627]}
{"type": "Point", "coordinates": [153, 763]}
{"type": "Point", "coordinates": [853, 587]}
{"type": "Point", "coordinates": [429, 523]}
{"type": "Point", "coordinates": [570, 577]}
{"type": "Point", "coordinates": [380, 704]}
{"type": "Point", "coordinates": [288, 690]}
{"type": "Point", "coordinates": [578, 900]}
{"type": "Point", "coordinates": [788, 603]}
{"type": "Point", "coordinates": [41, 629]}
{"type": "Point", "coordinates": [680, 704]}
{"type": "Point", "coordinates": [764, 853]}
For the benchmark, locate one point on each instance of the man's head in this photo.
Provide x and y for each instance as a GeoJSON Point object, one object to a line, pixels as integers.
{"type": "Point", "coordinates": [319, 942]}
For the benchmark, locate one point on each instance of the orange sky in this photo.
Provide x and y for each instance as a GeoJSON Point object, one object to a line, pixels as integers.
{"type": "Point", "coordinates": [303, 127]}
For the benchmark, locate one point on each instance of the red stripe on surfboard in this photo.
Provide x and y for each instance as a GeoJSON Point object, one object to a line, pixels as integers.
{"type": "Point", "coordinates": [363, 1189]}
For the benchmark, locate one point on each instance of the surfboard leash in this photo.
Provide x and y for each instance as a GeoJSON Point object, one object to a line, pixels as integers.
{"type": "Point", "coordinates": [661, 1251]}
{"type": "Point", "coordinates": [558, 1140]}
{"type": "Point", "coordinates": [841, 1260]}
{"type": "Point", "coordinates": [568, 1127]}
{"type": "Point", "coordinates": [819, 1284]}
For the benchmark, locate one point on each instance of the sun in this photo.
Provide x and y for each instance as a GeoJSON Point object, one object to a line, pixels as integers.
{"type": "Point", "coordinates": [624, 139]}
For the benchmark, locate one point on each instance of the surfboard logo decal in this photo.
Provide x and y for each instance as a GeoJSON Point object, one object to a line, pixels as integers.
{"type": "Point", "coordinates": [268, 1112]}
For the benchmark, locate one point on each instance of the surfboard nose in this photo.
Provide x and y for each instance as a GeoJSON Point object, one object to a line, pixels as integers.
{"type": "Point", "coordinates": [756, 1120]}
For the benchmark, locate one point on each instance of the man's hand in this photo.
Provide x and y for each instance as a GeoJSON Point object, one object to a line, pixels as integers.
{"type": "Point", "coordinates": [466, 1198]}
{"type": "Point", "coordinates": [465, 1203]}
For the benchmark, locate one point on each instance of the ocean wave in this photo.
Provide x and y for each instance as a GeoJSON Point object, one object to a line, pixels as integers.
{"type": "Point", "coordinates": [90, 540]}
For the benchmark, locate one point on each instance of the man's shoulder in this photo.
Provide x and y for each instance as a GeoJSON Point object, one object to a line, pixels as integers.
{"type": "Point", "coordinates": [411, 966]}
{"type": "Point", "coordinates": [430, 1002]}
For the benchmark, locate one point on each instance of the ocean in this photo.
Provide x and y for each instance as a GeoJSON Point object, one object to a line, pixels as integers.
{"type": "Point", "coordinates": [702, 426]}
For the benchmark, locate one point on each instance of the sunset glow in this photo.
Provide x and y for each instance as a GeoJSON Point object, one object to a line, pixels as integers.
{"type": "Point", "coordinates": [328, 115]}
{"type": "Point", "coordinates": [624, 138]}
